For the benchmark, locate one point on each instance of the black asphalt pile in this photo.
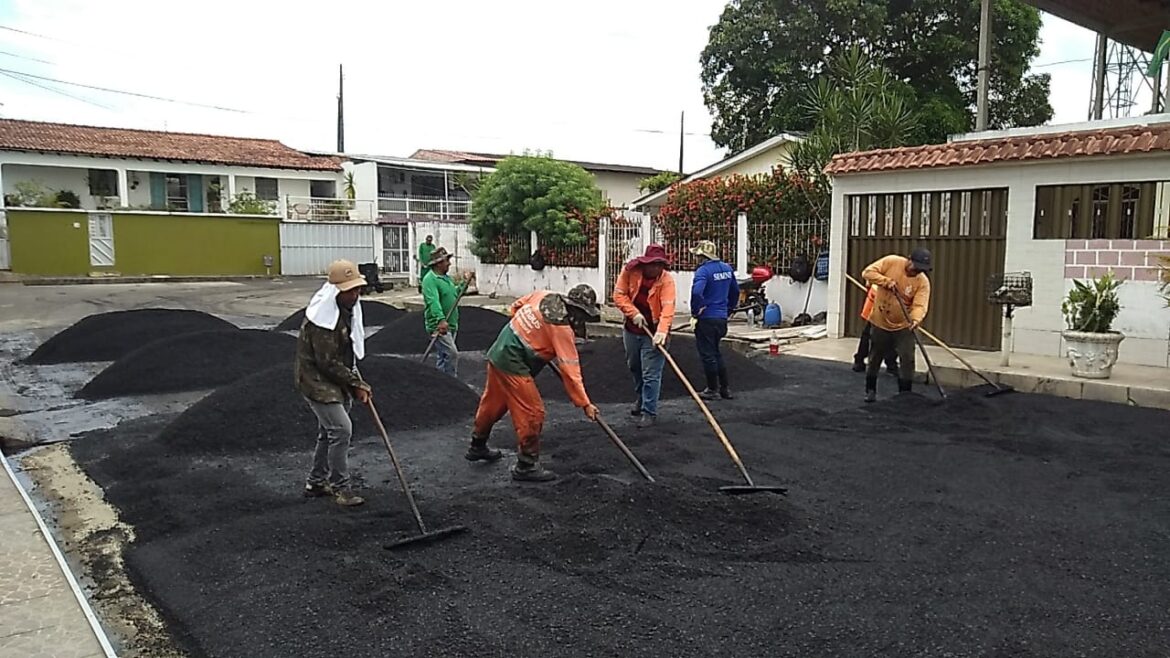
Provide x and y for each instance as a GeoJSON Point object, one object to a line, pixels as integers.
{"type": "Point", "coordinates": [265, 412]}
{"type": "Point", "coordinates": [109, 336]}
{"type": "Point", "coordinates": [909, 523]}
{"type": "Point", "coordinates": [374, 314]}
{"type": "Point", "coordinates": [191, 362]}
{"type": "Point", "coordinates": [608, 379]}
{"type": "Point", "coordinates": [478, 328]}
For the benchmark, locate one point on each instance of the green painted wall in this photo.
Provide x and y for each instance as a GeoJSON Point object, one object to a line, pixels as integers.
{"type": "Point", "coordinates": [47, 243]}
{"type": "Point", "coordinates": [194, 245]}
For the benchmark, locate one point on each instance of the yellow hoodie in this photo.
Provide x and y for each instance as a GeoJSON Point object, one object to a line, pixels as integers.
{"type": "Point", "coordinates": [914, 291]}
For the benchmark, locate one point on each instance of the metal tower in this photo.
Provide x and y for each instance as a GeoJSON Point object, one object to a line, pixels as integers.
{"type": "Point", "coordinates": [1119, 77]}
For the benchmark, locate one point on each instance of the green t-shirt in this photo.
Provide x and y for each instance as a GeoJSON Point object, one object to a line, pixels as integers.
{"type": "Point", "coordinates": [439, 296]}
{"type": "Point", "coordinates": [512, 356]}
{"type": "Point", "coordinates": [424, 254]}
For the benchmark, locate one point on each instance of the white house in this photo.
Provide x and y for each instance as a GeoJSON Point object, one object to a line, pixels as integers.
{"type": "Point", "coordinates": [759, 159]}
{"type": "Point", "coordinates": [1060, 203]}
{"type": "Point", "coordinates": [618, 183]}
{"type": "Point", "coordinates": [95, 168]}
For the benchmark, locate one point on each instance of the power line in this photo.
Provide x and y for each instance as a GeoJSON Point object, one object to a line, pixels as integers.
{"type": "Point", "coordinates": [56, 91]}
{"type": "Point", "coordinates": [31, 59]}
{"type": "Point", "coordinates": [128, 93]}
{"type": "Point", "coordinates": [1065, 61]}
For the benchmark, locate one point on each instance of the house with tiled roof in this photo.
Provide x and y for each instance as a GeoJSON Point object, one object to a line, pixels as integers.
{"type": "Point", "coordinates": [91, 167]}
{"type": "Point", "coordinates": [619, 183]}
{"type": "Point", "coordinates": [1046, 206]}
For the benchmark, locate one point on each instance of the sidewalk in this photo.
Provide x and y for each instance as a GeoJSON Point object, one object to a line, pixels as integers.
{"type": "Point", "coordinates": [40, 610]}
{"type": "Point", "coordinates": [1141, 386]}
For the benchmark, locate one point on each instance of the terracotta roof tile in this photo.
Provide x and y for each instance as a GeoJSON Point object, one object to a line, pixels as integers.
{"type": "Point", "coordinates": [152, 145]}
{"type": "Point", "coordinates": [491, 159]}
{"type": "Point", "coordinates": [1110, 141]}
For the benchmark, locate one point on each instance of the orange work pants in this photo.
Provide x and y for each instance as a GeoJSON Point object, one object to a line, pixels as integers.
{"type": "Point", "coordinates": [516, 395]}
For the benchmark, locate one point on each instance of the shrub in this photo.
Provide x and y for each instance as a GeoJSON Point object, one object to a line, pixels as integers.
{"type": "Point", "coordinates": [1092, 306]}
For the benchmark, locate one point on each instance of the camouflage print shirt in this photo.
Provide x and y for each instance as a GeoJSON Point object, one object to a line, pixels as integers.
{"type": "Point", "coordinates": [324, 367]}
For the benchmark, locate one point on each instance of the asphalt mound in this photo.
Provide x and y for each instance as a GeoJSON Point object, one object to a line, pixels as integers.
{"type": "Point", "coordinates": [478, 329]}
{"type": "Point", "coordinates": [264, 412]}
{"type": "Point", "coordinates": [608, 378]}
{"type": "Point", "coordinates": [374, 314]}
{"type": "Point", "coordinates": [190, 362]}
{"type": "Point", "coordinates": [109, 336]}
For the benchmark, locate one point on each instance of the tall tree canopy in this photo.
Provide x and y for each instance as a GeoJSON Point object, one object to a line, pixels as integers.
{"type": "Point", "coordinates": [763, 54]}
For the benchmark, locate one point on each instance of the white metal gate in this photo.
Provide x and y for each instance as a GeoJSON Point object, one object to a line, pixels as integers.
{"type": "Point", "coordinates": [101, 239]}
{"type": "Point", "coordinates": [396, 249]}
{"type": "Point", "coordinates": [5, 259]}
{"type": "Point", "coordinates": [625, 237]}
{"type": "Point", "coordinates": [307, 248]}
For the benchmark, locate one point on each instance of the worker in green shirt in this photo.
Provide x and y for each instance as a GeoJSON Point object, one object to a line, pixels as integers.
{"type": "Point", "coordinates": [441, 311]}
{"type": "Point", "coordinates": [424, 256]}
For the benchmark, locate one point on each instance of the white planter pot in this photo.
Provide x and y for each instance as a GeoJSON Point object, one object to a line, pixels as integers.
{"type": "Point", "coordinates": [1092, 355]}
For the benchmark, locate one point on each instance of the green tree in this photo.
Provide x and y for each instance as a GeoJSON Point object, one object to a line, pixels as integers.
{"type": "Point", "coordinates": [658, 182]}
{"type": "Point", "coordinates": [762, 55]}
{"type": "Point", "coordinates": [533, 193]}
{"type": "Point", "coordinates": [855, 106]}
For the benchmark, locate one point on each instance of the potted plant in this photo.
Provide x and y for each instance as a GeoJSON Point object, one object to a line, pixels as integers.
{"type": "Point", "coordinates": [1089, 310]}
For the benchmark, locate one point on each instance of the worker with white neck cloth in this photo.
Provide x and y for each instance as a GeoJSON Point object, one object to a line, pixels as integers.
{"type": "Point", "coordinates": [331, 342]}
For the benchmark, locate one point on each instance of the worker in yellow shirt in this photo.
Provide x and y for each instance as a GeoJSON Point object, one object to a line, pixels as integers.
{"type": "Point", "coordinates": [893, 322]}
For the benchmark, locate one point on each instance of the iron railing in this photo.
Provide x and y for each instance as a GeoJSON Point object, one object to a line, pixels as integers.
{"type": "Point", "coordinates": [414, 208]}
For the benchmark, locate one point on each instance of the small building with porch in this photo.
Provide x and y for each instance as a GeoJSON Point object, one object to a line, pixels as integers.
{"type": "Point", "coordinates": [1060, 202]}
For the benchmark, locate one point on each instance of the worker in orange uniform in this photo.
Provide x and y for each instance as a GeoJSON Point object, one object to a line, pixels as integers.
{"type": "Point", "coordinates": [894, 322]}
{"type": "Point", "coordinates": [866, 333]}
{"type": "Point", "coordinates": [645, 294]}
{"type": "Point", "coordinates": [541, 331]}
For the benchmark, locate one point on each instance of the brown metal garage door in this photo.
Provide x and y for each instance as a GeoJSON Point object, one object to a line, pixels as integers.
{"type": "Point", "coordinates": [965, 230]}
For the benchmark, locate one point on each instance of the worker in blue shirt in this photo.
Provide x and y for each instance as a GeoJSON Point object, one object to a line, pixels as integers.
{"type": "Point", "coordinates": [714, 295]}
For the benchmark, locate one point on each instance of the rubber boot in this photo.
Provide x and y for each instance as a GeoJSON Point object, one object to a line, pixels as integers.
{"type": "Point", "coordinates": [904, 385]}
{"type": "Point", "coordinates": [480, 452]}
{"type": "Point", "coordinates": [870, 389]}
{"type": "Point", "coordinates": [724, 391]}
{"type": "Point", "coordinates": [529, 469]}
{"type": "Point", "coordinates": [636, 410]}
{"type": "Point", "coordinates": [859, 366]}
{"type": "Point", "coordinates": [712, 390]}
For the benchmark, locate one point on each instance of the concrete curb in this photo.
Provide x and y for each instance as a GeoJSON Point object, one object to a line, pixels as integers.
{"type": "Point", "coordinates": [79, 281]}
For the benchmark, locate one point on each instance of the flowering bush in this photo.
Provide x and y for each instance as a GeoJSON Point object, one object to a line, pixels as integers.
{"type": "Point", "coordinates": [786, 217]}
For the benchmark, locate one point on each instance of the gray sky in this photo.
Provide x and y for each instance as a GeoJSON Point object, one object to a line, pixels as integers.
{"type": "Point", "coordinates": [585, 80]}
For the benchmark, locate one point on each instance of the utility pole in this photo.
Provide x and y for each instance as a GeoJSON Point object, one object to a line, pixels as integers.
{"type": "Point", "coordinates": [340, 109]}
{"type": "Point", "coordinates": [682, 120]}
{"type": "Point", "coordinates": [984, 65]}
{"type": "Point", "coordinates": [1097, 111]}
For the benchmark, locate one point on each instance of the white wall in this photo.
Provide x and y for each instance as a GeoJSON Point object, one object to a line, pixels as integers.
{"type": "Point", "coordinates": [293, 187]}
{"type": "Point", "coordinates": [618, 188]}
{"type": "Point", "coordinates": [519, 280]}
{"type": "Point", "coordinates": [52, 178]}
{"type": "Point", "coordinates": [1037, 329]}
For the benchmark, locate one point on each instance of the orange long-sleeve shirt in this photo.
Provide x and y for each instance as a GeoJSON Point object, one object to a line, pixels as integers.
{"type": "Point", "coordinates": [914, 291]}
{"type": "Point", "coordinates": [661, 298]}
{"type": "Point", "coordinates": [538, 334]}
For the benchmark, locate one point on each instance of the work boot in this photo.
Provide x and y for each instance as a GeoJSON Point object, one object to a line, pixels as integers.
{"type": "Point", "coordinates": [347, 498]}
{"type": "Point", "coordinates": [870, 395]}
{"type": "Point", "coordinates": [904, 385]}
{"type": "Point", "coordinates": [480, 452]}
{"type": "Point", "coordinates": [724, 391]}
{"type": "Point", "coordinates": [858, 366]}
{"type": "Point", "coordinates": [636, 410]}
{"type": "Point", "coordinates": [646, 421]}
{"type": "Point", "coordinates": [315, 490]}
{"type": "Point", "coordinates": [712, 390]}
{"type": "Point", "coordinates": [524, 471]}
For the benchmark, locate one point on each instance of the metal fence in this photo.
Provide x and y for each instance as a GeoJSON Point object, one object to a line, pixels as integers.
{"type": "Point", "coordinates": [509, 249]}
{"type": "Point", "coordinates": [316, 209]}
{"type": "Point", "coordinates": [416, 208]}
{"type": "Point", "coordinates": [776, 244]}
{"type": "Point", "coordinates": [581, 255]}
{"type": "Point", "coordinates": [679, 240]}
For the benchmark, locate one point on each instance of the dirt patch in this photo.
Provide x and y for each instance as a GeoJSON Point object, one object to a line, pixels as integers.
{"type": "Point", "coordinates": [191, 362]}
{"type": "Point", "coordinates": [608, 378]}
{"type": "Point", "coordinates": [264, 411]}
{"type": "Point", "coordinates": [109, 336]}
{"type": "Point", "coordinates": [478, 329]}
{"type": "Point", "coordinates": [374, 314]}
{"type": "Point", "coordinates": [98, 538]}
